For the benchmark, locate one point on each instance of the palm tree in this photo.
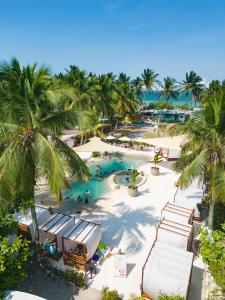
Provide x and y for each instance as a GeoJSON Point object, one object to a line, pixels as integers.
{"type": "Point", "coordinates": [150, 81]}
{"type": "Point", "coordinates": [203, 154]}
{"type": "Point", "coordinates": [126, 102]}
{"type": "Point", "coordinates": [137, 85]}
{"type": "Point", "coordinates": [29, 137]}
{"type": "Point", "coordinates": [90, 125]}
{"type": "Point", "coordinates": [123, 78]}
{"type": "Point", "coordinates": [169, 89]}
{"type": "Point", "coordinates": [105, 95]}
{"type": "Point", "coordinates": [193, 85]}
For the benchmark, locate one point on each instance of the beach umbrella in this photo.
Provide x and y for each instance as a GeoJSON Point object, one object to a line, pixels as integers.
{"type": "Point", "coordinates": [110, 137]}
{"type": "Point", "coordinates": [125, 139]}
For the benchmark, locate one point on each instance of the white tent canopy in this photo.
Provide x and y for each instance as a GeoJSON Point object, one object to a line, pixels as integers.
{"type": "Point", "coordinates": [177, 213]}
{"type": "Point", "coordinates": [17, 295]}
{"type": "Point", "coordinates": [175, 234]}
{"type": "Point", "coordinates": [110, 137]}
{"type": "Point", "coordinates": [55, 228]}
{"type": "Point", "coordinates": [83, 233]}
{"type": "Point", "coordinates": [167, 270]}
{"type": "Point", "coordinates": [96, 144]}
{"type": "Point", "coordinates": [164, 142]}
{"type": "Point", "coordinates": [85, 155]}
{"type": "Point", "coordinates": [26, 223]}
{"type": "Point", "coordinates": [125, 139]}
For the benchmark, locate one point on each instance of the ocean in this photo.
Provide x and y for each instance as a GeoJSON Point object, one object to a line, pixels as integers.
{"type": "Point", "coordinates": [152, 97]}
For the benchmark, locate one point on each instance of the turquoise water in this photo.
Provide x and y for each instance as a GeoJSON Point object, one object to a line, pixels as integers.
{"type": "Point", "coordinates": [95, 185]}
{"type": "Point", "coordinates": [124, 178]}
{"type": "Point", "coordinates": [152, 97]}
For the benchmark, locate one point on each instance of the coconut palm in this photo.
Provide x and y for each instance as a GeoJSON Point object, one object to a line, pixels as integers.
{"type": "Point", "coordinates": [203, 154]}
{"type": "Point", "coordinates": [149, 78]}
{"type": "Point", "coordinates": [29, 141]}
{"type": "Point", "coordinates": [137, 85]}
{"type": "Point", "coordinates": [123, 78]}
{"type": "Point", "coordinates": [90, 125]}
{"type": "Point", "coordinates": [126, 102]}
{"type": "Point", "coordinates": [105, 94]}
{"type": "Point", "coordinates": [150, 81]}
{"type": "Point", "coordinates": [193, 85]}
{"type": "Point", "coordinates": [169, 89]}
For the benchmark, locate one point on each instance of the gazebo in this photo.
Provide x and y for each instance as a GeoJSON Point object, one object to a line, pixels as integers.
{"type": "Point", "coordinates": [175, 234]}
{"type": "Point", "coordinates": [177, 213]}
{"type": "Point", "coordinates": [80, 243]}
{"type": "Point", "coordinates": [25, 222]}
{"type": "Point", "coordinates": [51, 233]}
{"type": "Point", "coordinates": [167, 270]}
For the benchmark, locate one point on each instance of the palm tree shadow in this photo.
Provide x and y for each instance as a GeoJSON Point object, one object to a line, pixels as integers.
{"type": "Point", "coordinates": [124, 224]}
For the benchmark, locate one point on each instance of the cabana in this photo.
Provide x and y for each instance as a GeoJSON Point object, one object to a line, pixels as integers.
{"type": "Point", "coordinates": [177, 213]}
{"type": "Point", "coordinates": [80, 243]}
{"type": "Point", "coordinates": [51, 233]}
{"type": "Point", "coordinates": [175, 234]}
{"type": "Point", "coordinates": [25, 222]}
{"type": "Point", "coordinates": [167, 270]}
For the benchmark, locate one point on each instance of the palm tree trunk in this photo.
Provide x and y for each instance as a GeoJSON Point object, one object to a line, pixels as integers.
{"type": "Point", "coordinates": [211, 216]}
{"type": "Point", "coordinates": [35, 226]}
{"type": "Point", "coordinates": [212, 193]}
{"type": "Point", "coordinates": [33, 210]}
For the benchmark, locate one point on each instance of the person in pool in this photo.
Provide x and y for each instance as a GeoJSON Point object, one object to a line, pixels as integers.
{"type": "Point", "coordinates": [127, 177]}
{"type": "Point", "coordinates": [87, 193]}
{"type": "Point", "coordinates": [79, 198]}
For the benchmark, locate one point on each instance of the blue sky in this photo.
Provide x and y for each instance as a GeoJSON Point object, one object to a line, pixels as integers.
{"type": "Point", "coordinates": [170, 36]}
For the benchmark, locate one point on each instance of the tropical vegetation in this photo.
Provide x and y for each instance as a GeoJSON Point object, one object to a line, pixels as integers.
{"type": "Point", "coordinates": [12, 271]}
{"type": "Point", "coordinates": [36, 106]}
{"type": "Point", "coordinates": [212, 249]}
{"type": "Point", "coordinates": [203, 152]}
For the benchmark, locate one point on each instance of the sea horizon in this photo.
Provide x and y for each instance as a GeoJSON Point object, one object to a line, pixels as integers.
{"type": "Point", "coordinates": [154, 96]}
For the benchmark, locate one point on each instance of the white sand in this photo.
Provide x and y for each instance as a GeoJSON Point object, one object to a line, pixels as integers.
{"type": "Point", "coordinates": [130, 224]}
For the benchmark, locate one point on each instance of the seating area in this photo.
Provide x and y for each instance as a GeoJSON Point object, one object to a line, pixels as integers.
{"type": "Point", "coordinates": [80, 243]}
{"type": "Point", "coordinates": [168, 266]}
{"type": "Point", "coordinates": [51, 233]}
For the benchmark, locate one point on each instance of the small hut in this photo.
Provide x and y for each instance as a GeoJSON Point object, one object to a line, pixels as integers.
{"type": "Point", "coordinates": [80, 243]}
{"type": "Point", "coordinates": [51, 233]}
{"type": "Point", "coordinates": [25, 222]}
{"type": "Point", "coordinates": [167, 270]}
{"type": "Point", "coordinates": [177, 213]}
{"type": "Point", "coordinates": [175, 234]}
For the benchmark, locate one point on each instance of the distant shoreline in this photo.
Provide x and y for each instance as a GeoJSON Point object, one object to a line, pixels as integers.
{"type": "Point", "coordinates": [153, 97]}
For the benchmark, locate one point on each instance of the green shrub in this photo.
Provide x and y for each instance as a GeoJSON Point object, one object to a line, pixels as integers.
{"type": "Point", "coordinates": [212, 249]}
{"type": "Point", "coordinates": [78, 278]}
{"type": "Point", "coordinates": [107, 294]}
{"type": "Point", "coordinates": [96, 154]}
{"type": "Point", "coordinates": [13, 257]}
{"type": "Point", "coordinates": [219, 216]}
{"type": "Point", "coordinates": [172, 297]}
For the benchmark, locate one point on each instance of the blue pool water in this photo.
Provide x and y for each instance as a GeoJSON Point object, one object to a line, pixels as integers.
{"type": "Point", "coordinates": [142, 123]}
{"type": "Point", "coordinates": [96, 186]}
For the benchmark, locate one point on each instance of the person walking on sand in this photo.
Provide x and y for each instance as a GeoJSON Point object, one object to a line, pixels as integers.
{"type": "Point", "coordinates": [87, 193]}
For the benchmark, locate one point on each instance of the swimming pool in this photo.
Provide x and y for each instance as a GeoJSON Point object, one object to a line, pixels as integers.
{"type": "Point", "coordinates": [142, 124]}
{"type": "Point", "coordinates": [95, 185]}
